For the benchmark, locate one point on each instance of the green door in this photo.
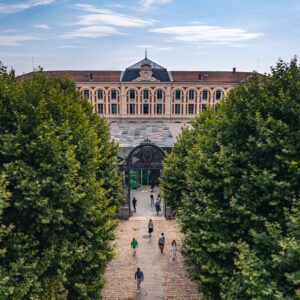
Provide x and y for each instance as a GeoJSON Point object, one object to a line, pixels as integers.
{"type": "Point", "coordinates": [144, 177]}
{"type": "Point", "coordinates": [133, 179]}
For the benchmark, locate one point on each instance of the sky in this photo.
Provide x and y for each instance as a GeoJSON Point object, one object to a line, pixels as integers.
{"type": "Point", "coordinates": [203, 35]}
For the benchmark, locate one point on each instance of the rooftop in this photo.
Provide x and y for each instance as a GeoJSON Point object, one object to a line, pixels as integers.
{"type": "Point", "coordinates": [133, 133]}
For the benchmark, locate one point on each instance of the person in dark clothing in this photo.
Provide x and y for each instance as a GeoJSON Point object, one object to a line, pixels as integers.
{"type": "Point", "coordinates": [157, 206]}
{"type": "Point", "coordinates": [134, 201]}
{"type": "Point", "coordinates": [161, 242]}
{"type": "Point", "coordinates": [152, 185]}
{"type": "Point", "coordinates": [139, 277]}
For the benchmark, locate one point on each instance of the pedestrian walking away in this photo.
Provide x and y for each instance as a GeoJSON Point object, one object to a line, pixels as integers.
{"type": "Point", "coordinates": [152, 186]}
{"type": "Point", "coordinates": [150, 227]}
{"type": "Point", "coordinates": [157, 206]}
{"type": "Point", "coordinates": [134, 201]}
{"type": "Point", "coordinates": [161, 242]}
{"type": "Point", "coordinates": [151, 199]}
{"type": "Point", "coordinates": [134, 245]}
{"type": "Point", "coordinates": [173, 249]}
{"type": "Point", "coordinates": [139, 277]}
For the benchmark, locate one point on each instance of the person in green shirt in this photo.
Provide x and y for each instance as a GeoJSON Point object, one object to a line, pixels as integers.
{"type": "Point", "coordinates": [134, 245]}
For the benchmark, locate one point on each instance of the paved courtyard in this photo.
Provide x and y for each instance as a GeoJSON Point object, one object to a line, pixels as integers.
{"type": "Point", "coordinates": [164, 278]}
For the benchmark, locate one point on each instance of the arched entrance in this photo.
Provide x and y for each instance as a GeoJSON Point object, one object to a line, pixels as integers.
{"type": "Point", "coordinates": [143, 167]}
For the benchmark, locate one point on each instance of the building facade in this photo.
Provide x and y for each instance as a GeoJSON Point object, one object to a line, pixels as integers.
{"type": "Point", "coordinates": [147, 90]}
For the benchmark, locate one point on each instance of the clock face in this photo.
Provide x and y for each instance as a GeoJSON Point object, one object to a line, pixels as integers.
{"type": "Point", "coordinates": [146, 74]}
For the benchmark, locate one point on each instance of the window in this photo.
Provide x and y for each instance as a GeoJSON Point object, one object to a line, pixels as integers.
{"type": "Point", "coordinates": [159, 94]}
{"type": "Point", "coordinates": [113, 94]}
{"type": "Point", "coordinates": [114, 108]}
{"type": "Point", "coordinates": [132, 109]}
{"type": "Point", "coordinates": [146, 109]}
{"type": "Point", "coordinates": [177, 109]}
{"type": "Point", "coordinates": [204, 95]}
{"type": "Point", "coordinates": [191, 94]}
{"type": "Point", "coordinates": [100, 94]}
{"type": "Point", "coordinates": [86, 93]}
{"type": "Point", "coordinates": [146, 94]}
{"type": "Point", "coordinates": [159, 109]}
{"type": "Point", "coordinates": [218, 94]}
{"type": "Point", "coordinates": [100, 108]}
{"type": "Point", "coordinates": [132, 94]}
{"type": "Point", "coordinates": [203, 107]}
{"type": "Point", "coordinates": [191, 109]}
{"type": "Point", "coordinates": [178, 94]}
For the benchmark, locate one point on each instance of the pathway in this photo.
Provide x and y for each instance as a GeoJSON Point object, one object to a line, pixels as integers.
{"type": "Point", "coordinates": [143, 208]}
{"type": "Point", "coordinates": [164, 278]}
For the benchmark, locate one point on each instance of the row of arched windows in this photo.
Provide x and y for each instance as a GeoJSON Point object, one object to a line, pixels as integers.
{"type": "Point", "coordinates": [159, 93]}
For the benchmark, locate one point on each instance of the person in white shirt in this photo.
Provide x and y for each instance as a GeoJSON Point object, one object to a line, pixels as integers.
{"type": "Point", "coordinates": [173, 249]}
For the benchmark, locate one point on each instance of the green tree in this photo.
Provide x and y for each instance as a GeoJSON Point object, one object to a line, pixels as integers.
{"type": "Point", "coordinates": [62, 175]}
{"type": "Point", "coordinates": [240, 208]}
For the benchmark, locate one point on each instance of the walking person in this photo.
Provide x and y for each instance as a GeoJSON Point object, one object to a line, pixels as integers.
{"type": "Point", "coordinates": [161, 242]}
{"type": "Point", "coordinates": [150, 227]}
{"type": "Point", "coordinates": [134, 245]}
{"type": "Point", "coordinates": [152, 186]}
{"type": "Point", "coordinates": [139, 277]}
{"type": "Point", "coordinates": [134, 201]}
{"type": "Point", "coordinates": [157, 206]}
{"type": "Point", "coordinates": [173, 249]}
{"type": "Point", "coordinates": [158, 197]}
{"type": "Point", "coordinates": [151, 199]}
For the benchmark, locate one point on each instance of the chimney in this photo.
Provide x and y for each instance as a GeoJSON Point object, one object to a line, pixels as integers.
{"type": "Point", "coordinates": [233, 70]}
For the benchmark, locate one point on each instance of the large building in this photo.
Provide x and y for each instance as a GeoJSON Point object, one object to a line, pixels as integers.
{"type": "Point", "coordinates": [147, 106]}
{"type": "Point", "coordinates": [149, 91]}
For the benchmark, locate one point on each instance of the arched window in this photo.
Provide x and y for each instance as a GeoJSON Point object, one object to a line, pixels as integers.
{"type": "Point", "coordinates": [113, 94]}
{"type": "Point", "coordinates": [159, 94]}
{"type": "Point", "coordinates": [132, 94]}
{"type": "Point", "coordinates": [218, 94]}
{"type": "Point", "coordinates": [146, 94]}
{"type": "Point", "coordinates": [178, 94]}
{"type": "Point", "coordinates": [205, 95]}
{"type": "Point", "coordinates": [100, 94]}
{"type": "Point", "coordinates": [86, 93]}
{"type": "Point", "coordinates": [191, 94]}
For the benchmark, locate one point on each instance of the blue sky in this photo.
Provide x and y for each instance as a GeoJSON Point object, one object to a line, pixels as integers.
{"type": "Point", "coordinates": [180, 35]}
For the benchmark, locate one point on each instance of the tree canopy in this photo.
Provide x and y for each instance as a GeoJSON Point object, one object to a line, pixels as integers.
{"type": "Point", "coordinates": [59, 190]}
{"type": "Point", "coordinates": [237, 177]}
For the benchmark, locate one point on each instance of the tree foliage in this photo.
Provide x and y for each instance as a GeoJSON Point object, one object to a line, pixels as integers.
{"type": "Point", "coordinates": [239, 205]}
{"type": "Point", "coordinates": [60, 191]}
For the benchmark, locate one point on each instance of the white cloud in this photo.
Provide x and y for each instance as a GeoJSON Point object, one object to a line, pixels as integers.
{"type": "Point", "coordinates": [10, 30]}
{"type": "Point", "coordinates": [207, 34]}
{"type": "Point", "coordinates": [91, 32]}
{"type": "Point", "coordinates": [42, 26]}
{"type": "Point", "coordinates": [16, 40]}
{"type": "Point", "coordinates": [109, 17]}
{"type": "Point", "coordinates": [67, 46]}
{"type": "Point", "coordinates": [17, 7]}
{"type": "Point", "coordinates": [148, 4]}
